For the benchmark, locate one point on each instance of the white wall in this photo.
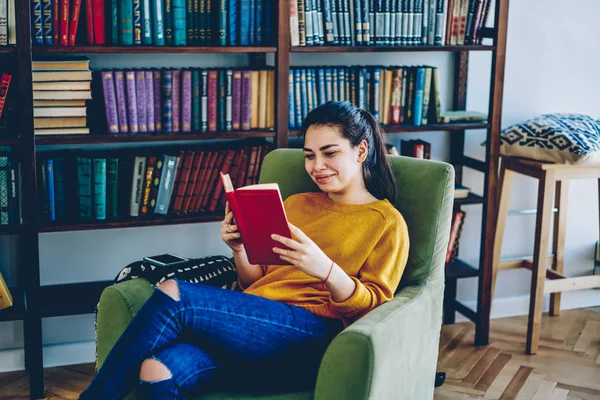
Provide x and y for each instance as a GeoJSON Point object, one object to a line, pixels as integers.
{"type": "Point", "coordinates": [550, 66]}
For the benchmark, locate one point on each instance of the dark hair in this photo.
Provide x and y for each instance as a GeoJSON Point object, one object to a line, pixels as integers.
{"type": "Point", "coordinates": [356, 125]}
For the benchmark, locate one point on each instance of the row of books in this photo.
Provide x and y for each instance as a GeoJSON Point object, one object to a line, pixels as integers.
{"type": "Point", "coordinates": [9, 190]}
{"type": "Point", "coordinates": [153, 22]}
{"type": "Point", "coordinates": [57, 108]}
{"type": "Point", "coordinates": [8, 31]}
{"type": "Point", "coordinates": [394, 95]}
{"type": "Point", "coordinates": [6, 103]}
{"type": "Point", "coordinates": [188, 100]}
{"type": "Point", "coordinates": [387, 22]}
{"type": "Point", "coordinates": [141, 183]}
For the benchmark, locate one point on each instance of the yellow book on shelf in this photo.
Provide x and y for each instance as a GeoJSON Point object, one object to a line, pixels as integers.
{"type": "Point", "coordinates": [271, 100]}
{"type": "Point", "coordinates": [263, 85]}
{"type": "Point", "coordinates": [387, 102]}
{"type": "Point", "coordinates": [5, 296]}
{"type": "Point", "coordinates": [254, 100]}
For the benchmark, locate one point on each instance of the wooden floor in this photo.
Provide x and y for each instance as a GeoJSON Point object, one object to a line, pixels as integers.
{"type": "Point", "coordinates": [567, 366]}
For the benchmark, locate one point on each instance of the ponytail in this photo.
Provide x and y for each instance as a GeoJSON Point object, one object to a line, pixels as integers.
{"type": "Point", "coordinates": [357, 125]}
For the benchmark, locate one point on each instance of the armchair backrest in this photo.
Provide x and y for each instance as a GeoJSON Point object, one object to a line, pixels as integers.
{"type": "Point", "coordinates": [425, 195]}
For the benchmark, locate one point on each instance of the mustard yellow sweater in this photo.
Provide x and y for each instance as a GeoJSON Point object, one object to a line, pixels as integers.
{"type": "Point", "coordinates": [368, 241]}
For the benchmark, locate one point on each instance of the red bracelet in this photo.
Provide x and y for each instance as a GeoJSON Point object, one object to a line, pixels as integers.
{"type": "Point", "coordinates": [327, 277]}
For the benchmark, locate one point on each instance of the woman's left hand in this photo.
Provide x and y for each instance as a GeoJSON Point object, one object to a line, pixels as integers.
{"type": "Point", "coordinates": [303, 253]}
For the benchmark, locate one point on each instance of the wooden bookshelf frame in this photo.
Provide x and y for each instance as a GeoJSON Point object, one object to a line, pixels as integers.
{"type": "Point", "coordinates": [57, 300]}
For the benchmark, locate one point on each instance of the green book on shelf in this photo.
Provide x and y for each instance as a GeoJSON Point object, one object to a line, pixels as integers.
{"type": "Point", "coordinates": [462, 116]}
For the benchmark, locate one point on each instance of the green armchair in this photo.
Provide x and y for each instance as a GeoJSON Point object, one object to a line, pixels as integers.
{"type": "Point", "coordinates": [391, 353]}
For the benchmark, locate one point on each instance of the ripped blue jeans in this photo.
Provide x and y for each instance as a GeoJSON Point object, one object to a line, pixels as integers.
{"type": "Point", "coordinates": [211, 338]}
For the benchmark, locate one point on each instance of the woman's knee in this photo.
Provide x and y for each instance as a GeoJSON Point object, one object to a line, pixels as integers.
{"type": "Point", "coordinates": [153, 370]}
{"type": "Point", "coordinates": [171, 288]}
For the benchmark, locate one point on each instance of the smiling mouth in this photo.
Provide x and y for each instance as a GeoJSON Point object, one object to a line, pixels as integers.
{"type": "Point", "coordinates": [323, 179]}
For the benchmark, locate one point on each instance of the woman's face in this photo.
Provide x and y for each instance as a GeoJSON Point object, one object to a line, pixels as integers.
{"type": "Point", "coordinates": [331, 161]}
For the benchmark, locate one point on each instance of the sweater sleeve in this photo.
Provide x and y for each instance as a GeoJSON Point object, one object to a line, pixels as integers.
{"type": "Point", "coordinates": [380, 275]}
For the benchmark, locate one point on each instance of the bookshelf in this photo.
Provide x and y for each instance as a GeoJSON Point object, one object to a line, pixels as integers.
{"type": "Point", "coordinates": [57, 300]}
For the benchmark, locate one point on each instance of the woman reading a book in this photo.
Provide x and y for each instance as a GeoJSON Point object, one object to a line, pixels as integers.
{"type": "Point", "coordinates": [346, 257]}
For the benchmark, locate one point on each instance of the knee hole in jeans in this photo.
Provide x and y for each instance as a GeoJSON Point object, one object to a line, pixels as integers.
{"type": "Point", "coordinates": [171, 288]}
{"type": "Point", "coordinates": [153, 370]}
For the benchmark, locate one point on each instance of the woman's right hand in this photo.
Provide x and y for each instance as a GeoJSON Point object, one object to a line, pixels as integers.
{"type": "Point", "coordinates": [230, 233]}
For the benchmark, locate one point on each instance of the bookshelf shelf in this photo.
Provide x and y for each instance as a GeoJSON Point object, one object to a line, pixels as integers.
{"type": "Point", "coordinates": [58, 299]}
{"type": "Point", "coordinates": [153, 220]}
{"type": "Point", "coordinates": [17, 311]}
{"type": "Point", "coordinates": [151, 49]}
{"type": "Point", "coordinates": [11, 48]}
{"type": "Point", "coordinates": [142, 137]}
{"type": "Point", "coordinates": [386, 49]}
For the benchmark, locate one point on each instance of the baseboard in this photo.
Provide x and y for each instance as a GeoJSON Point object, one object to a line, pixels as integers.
{"type": "Point", "coordinates": [54, 355]}
{"type": "Point", "coordinates": [519, 305]}
{"type": "Point", "coordinates": [84, 352]}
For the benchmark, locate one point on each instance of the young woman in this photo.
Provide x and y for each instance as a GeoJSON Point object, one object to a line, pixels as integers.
{"type": "Point", "coordinates": [349, 251]}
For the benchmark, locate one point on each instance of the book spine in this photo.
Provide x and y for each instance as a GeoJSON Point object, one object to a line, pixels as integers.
{"type": "Point", "coordinates": [196, 100]}
{"type": "Point", "coordinates": [126, 18]}
{"type": "Point", "coordinates": [112, 184]}
{"type": "Point", "coordinates": [55, 22]}
{"type": "Point", "coordinates": [131, 101]}
{"type": "Point", "coordinates": [179, 22]}
{"type": "Point", "coordinates": [154, 184]}
{"type": "Point", "coordinates": [137, 187]}
{"type": "Point", "coordinates": [147, 185]}
{"type": "Point", "coordinates": [4, 86]}
{"type": "Point", "coordinates": [4, 195]}
{"type": "Point", "coordinates": [263, 85]}
{"type": "Point", "coordinates": [158, 28]}
{"type": "Point", "coordinates": [236, 97]}
{"type": "Point", "coordinates": [156, 82]}
{"type": "Point", "coordinates": [196, 19]}
{"type": "Point", "coordinates": [228, 100]}
{"type": "Point", "coordinates": [84, 184]}
{"type": "Point", "coordinates": [137, 22]}
{"type": "Point", "coordinates": [176, 100]}
{"type": "Point", "coordinates": [177, 182]}
{"type": "Point", "coordinates": [60, 205]}
{"type": "Point", "coordinates": [99, 22]}
{"type": "Point", "coordinates": [186, 101]}
{"type": "Point", "coordinates": [167, 108]}
{"type": "Point", "coordinates": [183, 178]}
{"type": "Point", "coordinates": [141, 100]}
{"type": "Point", "coordinates": [114, 22]}
{"type": "Point", "coordinates": [146, 23]}
{"type": "Point", "coordinates": [100, 188]}
{"type": "Point", "coordinates": [120, 98]}
{"type": "Point", "coordinates": [14, 192]}
{"type": "Point", "coordinates": [110, 102]}
{"type": "Point", "coordinates": [291, 105]}
{"type": "Point", "coordinates": [212, 100]}
{"type": "Point", "coordinates": [47, 21]}
{"type": "Point", "coordinates": [244, 22]}
{"type": "Point", "coordinates": [232, 27]}
{"type": "Point", "coordinates": [64, 23]}
{"type": "Point", "coordinates": [192, 181]}
{"type": "Point", "coordinates": [38, 32]}
{"type": "Point", "coordinates": [168, 22]}
{"type": "Point", "coordinates": [418, 102]}
{"type": "Point", "coordinates": [189, 24]}
{"type": "Point", "coordinates": [149, 92]}
{"type": "Point", "coordinates": [246, 100]}
{"type": "Point", "coordinates": [204, 101]}
{"type": "Point", "coordinates": [223, 22]}
{"type": "Point", "coordinates": [166, 185]}
{"type": "Point", "coordinates": [221, 98]}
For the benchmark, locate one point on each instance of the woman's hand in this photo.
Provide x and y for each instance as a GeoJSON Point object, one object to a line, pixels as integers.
{"type": "Point", "coordinates": [229, 232]}
{"type": "Point", "coordinates": [304, 254]}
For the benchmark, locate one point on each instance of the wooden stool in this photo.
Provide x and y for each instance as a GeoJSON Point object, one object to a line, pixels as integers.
{"type": "Point", "coordinates": [550, 177]}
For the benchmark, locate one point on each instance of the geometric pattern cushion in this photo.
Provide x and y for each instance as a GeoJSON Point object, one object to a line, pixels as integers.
{"type": "Point", "coordinates": [556, 137]}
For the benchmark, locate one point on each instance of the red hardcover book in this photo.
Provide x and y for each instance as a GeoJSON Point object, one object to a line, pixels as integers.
{"type": "Point", "coordinates": [64, 23]}
{"type": "Point", "coordinates": [74, 21]}
{"type": "Point", "coordinates": [258, 212]}
{"type": "Point", "coordinates": [98, 21]}
{"type": "Point", "coordinates": [89, 21]}
{"type": "Point", "coordinates": [55, 21]}
{"type": "Point", "coordinates": [4, 85]}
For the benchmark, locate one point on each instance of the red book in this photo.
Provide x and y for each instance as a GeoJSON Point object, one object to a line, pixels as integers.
{"type": "Point", "coordinates": [74, 21]}
{"type": "Point", "coordinates": [64, 23]}
{"type": "Point", "coordinates": [89, 21]}
{"type": "Point", "coordinates": [98, 21]}
{"type": "Point", "coordinates": [258, 212]}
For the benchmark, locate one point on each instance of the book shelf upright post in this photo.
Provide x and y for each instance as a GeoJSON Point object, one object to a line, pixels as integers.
{"type": "Point", "coordinates": [29, 240]}
{"type": "Point", "coordinates": [492, 154]}
{"type": "Point", "coordinates": [282, 73]}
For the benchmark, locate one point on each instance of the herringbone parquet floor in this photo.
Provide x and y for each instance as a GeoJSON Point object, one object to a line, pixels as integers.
{"type": "Point", "coordinates": [567, 366]}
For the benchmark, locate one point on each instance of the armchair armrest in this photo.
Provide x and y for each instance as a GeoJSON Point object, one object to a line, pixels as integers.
{"type": "Point", "coordinates": [390, 353]}
{"type": "Point", "coordinates": [117, 306]}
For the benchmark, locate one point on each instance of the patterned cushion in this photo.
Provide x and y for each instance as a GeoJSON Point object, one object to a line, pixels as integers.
{"type": "Point", "coordinates": [214, 271]}
{"type": "Point", "coordinates": [558, 137]}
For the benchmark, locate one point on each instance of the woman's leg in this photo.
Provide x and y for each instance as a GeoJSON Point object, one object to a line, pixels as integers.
{"type": "Point", "coordinates": [252, 330]}
{"type": "Point", "coordinates": [182, 367]}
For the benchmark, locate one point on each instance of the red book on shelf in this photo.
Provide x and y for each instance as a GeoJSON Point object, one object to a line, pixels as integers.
{"type": "Point", "coordinates": [74, 18]}
{"type": "Point", "coordinates": [98, 21]}
{"type": "Point", "coordinates": [64, 23]}
{"type": "Point", "coordinates": [258, 212]}
{"type": "Point", "coordinates": [89, 21]}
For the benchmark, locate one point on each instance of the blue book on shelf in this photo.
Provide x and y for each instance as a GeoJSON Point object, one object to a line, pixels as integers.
{"type": "Point", "coordinates": [50, 189]}
{"type": "Point", "coordinates": [418, 103]}
{"type": "Point", "coordinates": [291, 105]}
{"type": "Point", "coordinates": [245, 22]}
{"type": "Point", "coordinates": [322, 96]}
{"type": "Point", "coordinates": [232, 25]}
{"type": "Point", "coordinates": [158, 28]}
{"type": "Point", "coordinates": [84, 186]}
{"type": "Point", "coordinates": [100, 188]}
{"type": "Point", "coordinates": [179, 23]}
{"type": "Point", "coordinates": [126, 21]}
{"type": "Point", "coordinates": [60, 197]}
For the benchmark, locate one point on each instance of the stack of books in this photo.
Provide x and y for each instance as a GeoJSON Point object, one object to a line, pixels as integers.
{"type": "Point", "coordinates": [61, 87]}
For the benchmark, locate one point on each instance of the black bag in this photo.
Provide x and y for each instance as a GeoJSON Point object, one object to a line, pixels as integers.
{"type": "Point", "coordinates": [216, 271]}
